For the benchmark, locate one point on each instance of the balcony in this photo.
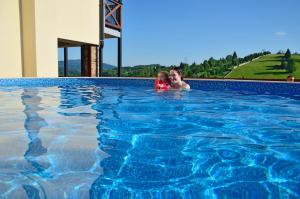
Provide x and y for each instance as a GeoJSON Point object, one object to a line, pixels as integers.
{"type": "Point", "coordinates": [113, 14]}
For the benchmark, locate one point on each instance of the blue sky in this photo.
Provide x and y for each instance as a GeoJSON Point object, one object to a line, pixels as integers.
{"type": "Point", "coordinates": [170, 31]}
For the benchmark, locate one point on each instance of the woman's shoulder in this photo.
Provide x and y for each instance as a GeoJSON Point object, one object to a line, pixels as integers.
{"type": "Point", "coordinates": [186, 86]}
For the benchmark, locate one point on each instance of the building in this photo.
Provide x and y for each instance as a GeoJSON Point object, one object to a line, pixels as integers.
{"type": "Point", "coordinates": [33, 30]}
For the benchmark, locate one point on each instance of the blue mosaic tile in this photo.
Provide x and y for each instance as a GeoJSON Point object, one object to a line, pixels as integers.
{"type": "Point", "coordinates": [255, 87]}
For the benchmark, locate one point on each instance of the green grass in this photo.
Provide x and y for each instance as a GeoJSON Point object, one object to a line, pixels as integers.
{"type": "Point", "coordinates": [267, 67]}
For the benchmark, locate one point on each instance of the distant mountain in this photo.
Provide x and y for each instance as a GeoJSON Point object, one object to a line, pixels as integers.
{"type": "Point", "coordinates": [74, 67]}
{"type": "Point", "coordinates": [108, 66]}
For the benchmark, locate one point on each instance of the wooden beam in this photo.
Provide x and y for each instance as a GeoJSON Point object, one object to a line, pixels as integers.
{"type": "Point", "coordinates": [119, 56]}
{"type": "Point", "coordinates": [111, 11]}
{"type": "Point", "coordinates": [110, 14]}
{"type": "Point", "coordinates": [114, 7]}
{"type": "Point", "coordinates": [66, 60]}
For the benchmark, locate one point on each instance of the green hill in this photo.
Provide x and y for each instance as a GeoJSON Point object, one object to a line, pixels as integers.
{"type": "Point", "coordinates": [266, 67]}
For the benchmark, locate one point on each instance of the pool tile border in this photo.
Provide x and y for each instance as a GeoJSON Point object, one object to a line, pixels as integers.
{"type": "Point", "coordinates": [261, 87]}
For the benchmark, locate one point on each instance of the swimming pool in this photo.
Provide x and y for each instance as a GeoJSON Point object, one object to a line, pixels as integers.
{"type": "Point", "coordinates": [108, 138]}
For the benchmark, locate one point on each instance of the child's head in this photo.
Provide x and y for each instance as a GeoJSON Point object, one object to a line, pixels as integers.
{"type": "Point", "coordinates": [290, 78]}
{"type": "Point", "coordinates": [163, 76]}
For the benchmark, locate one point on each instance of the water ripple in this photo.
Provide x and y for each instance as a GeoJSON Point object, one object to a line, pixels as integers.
{"type": "Point", "coordinates": [117, 142]}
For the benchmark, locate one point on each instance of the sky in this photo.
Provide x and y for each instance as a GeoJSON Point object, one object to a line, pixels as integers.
{"type": "Point", "coordinates": [168, 32]}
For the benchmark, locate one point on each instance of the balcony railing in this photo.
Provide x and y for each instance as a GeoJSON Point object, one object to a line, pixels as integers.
{"type": "Point", "coordinates": [113, 14]}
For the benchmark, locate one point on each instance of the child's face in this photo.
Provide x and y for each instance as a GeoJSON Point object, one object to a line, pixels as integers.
{"type": "Point", "coordinates": [161, 77]}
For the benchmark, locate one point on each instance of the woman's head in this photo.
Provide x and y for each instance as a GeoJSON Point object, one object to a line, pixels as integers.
{"type": "Point", "coordinates": [163, 76]}
{"type": "Point", "coordinates": [176, 75]}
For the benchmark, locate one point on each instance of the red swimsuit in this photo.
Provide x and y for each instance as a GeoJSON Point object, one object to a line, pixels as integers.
{"type": "Point", "coordinates": [162, 85]}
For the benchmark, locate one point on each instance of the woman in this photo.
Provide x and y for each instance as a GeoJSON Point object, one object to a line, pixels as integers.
{"type": "Point", "coordinates": [176, 78]}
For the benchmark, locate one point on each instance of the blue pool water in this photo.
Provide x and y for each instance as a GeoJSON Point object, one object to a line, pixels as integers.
{"type": "Point", "coordinates": [104, 141]}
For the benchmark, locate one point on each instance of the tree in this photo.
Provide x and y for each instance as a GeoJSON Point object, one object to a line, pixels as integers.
{"type": "Point", "coordinates": [206, 65]}
{"type": "Point", "coordinates": [208, 68]}
{"type": "Point", "coordinates": [234, 56]}
{"type": "Point", "coordinates": [291, 66]}
{"type": "Point", "coordinates": [235, 59]}
{"type": "Point", "coordinates": [288, 54]}
{"type": "Point", "coordinates": [283, 64]}
{"type": "Point", "coordinates": [212, 62]}
{"type": "Point", "coordinates": [183, 65]}
{"type": "Point", "coordinates": [229, 60]}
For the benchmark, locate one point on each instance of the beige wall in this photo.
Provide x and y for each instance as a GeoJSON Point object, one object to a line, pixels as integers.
{"type": "Point", "coordinates": [10, 39]}
{"type": "Point", "coordinates": [43, 22]}
{"type": "Point", "coordinates": [76, 20]}
{"type": "Point", "coordinates": [28, 38]}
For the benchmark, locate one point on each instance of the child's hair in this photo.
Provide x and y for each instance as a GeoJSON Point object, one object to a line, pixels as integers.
{"type": "Point", "coordinates": [166, 74]}
{"type": "Point", "coordinates": [179, 71]}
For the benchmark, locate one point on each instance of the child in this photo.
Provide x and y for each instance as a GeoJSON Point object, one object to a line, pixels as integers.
{"type": "Point", "coordinates": [162, 82]}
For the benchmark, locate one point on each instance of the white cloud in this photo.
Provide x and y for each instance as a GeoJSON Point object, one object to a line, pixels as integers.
{"type": "Point", "coordinates": [280, 34]}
